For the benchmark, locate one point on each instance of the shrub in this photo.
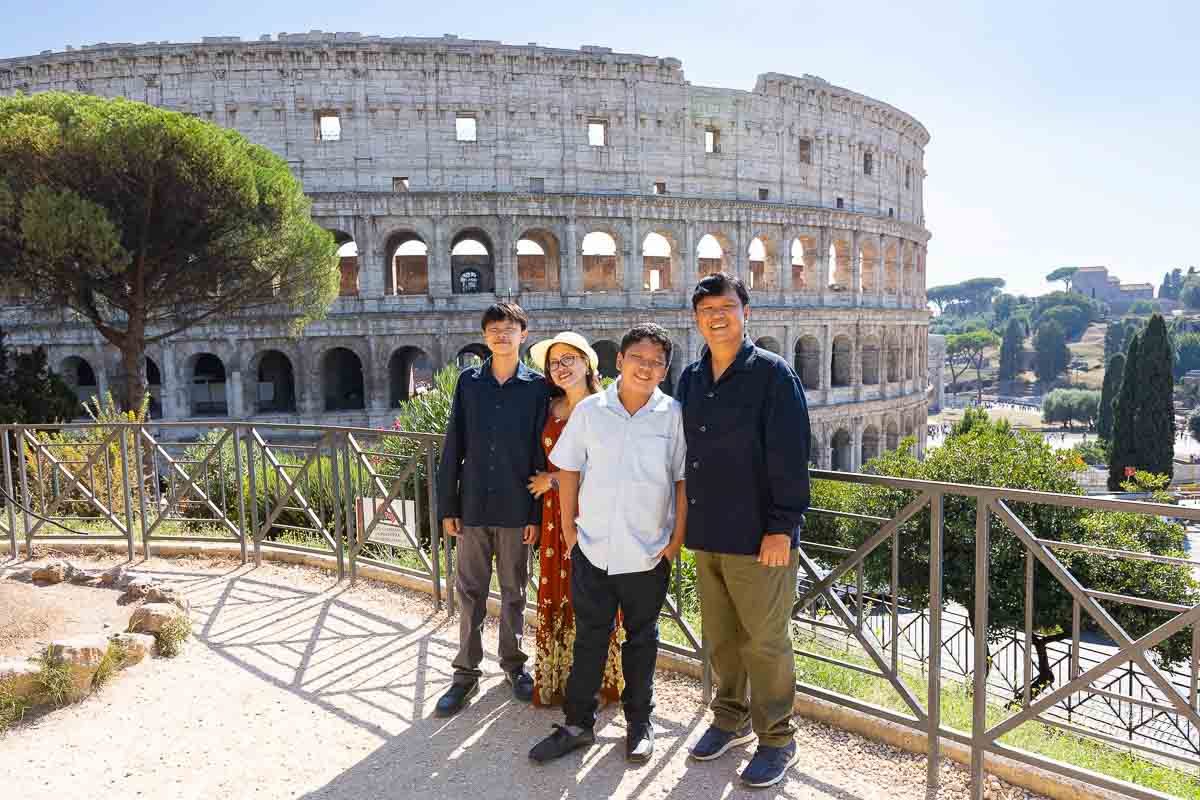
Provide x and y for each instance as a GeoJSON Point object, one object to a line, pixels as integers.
{"type": "Point", "coordinates": [173, 634]}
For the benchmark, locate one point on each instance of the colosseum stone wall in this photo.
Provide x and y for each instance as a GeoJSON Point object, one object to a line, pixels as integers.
{"type": "Point", "coordinates": [592, 187]}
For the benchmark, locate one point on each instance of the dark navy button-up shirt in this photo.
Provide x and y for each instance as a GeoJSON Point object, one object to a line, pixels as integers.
{"type": "Point", "coordinates": [493, 446]}
{"type": "Point", "coordinates": [747, 451]}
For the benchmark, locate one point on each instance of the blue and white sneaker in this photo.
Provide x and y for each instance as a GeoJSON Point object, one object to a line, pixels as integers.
{"type": "Point", "coordinates": [716, 742]}
{"type": "Point", "coordinates": [770, 764]}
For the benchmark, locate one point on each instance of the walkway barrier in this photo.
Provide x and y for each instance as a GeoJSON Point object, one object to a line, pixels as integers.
{"type": "Point", "coordinates": [366, 497]}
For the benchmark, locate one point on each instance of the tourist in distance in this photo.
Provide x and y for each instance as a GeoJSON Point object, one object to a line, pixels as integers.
{"type": "Point", "coordinates": [571, 368]}
{"type": "Point", "coordinates": [620, 464]}
{"type": "Point", "coordinates": [492, 446]}
{"type": "Point", "coordinates": [747, 429]}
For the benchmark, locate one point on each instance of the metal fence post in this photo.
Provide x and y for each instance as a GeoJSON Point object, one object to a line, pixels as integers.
{"type": "Point", "coordinates": [27, 501]}
{"type": "Point", "coordinates": [241, 487]}
{"type": "Point", "coordinates": [934, 697]}
{"type": "Point", "coordinates": [335, 490]}
{"type": "Point", "coordinates": [10, 495]}
{"type": "Point", "coordinates": [253, 498]}
{"type": "Point", "coordinates": [349, 508]}
{"type": "Point", "coordinates": [139, 455]}
{"type": "Point", "coordinates": [125, 465]}
{"type": "Point", "coordinates": [435, 529]}
{"type": "Point", "coordinates": [979, 700]}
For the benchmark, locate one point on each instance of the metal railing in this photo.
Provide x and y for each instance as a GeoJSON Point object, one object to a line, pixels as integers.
{"type": "Point", "coordinates": [364, 496]}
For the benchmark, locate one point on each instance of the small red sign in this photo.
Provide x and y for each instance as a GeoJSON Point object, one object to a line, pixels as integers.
{"type": "Point", "coordinates": [1129, 472]}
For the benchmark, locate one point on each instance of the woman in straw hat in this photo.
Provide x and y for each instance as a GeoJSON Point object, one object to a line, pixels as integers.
{"type": "Point", "coordinates": [571, 368]}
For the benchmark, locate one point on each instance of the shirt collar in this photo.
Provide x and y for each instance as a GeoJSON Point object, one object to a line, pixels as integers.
{"type": "Point", "coordinates": [523, 372]}
{"type": "Point", "coordinates": [747, 354]}
{"type": "Point", "coordinates": [613, 399]}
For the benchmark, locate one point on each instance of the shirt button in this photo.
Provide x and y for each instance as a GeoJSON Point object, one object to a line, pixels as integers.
{"type": "Point", "coordinates": [704, 429]}
{"type": "Point", "coordinates": [693, 501]}
{"type": "Point", "coordinates": [695, 465]}
{"type": "Point", "coordinates": [711, 394]}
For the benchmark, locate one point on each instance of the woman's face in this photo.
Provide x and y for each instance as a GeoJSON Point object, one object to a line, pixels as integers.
{"type": "Point", "coordinates": [566, 366]}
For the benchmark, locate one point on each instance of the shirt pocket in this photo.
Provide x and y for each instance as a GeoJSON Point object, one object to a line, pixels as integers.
{"type": "Point", "coordinates": [654, 458]}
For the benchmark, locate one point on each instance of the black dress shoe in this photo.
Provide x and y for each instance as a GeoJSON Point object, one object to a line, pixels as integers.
{"type": "Point", "coordinates": [639, 742]}
{"type": "Point", "coordinates": [455, 698]}
{"type": "Point", "coordinates": [522, 685]}
{"type": "Point", "coordinates": [559, 743]}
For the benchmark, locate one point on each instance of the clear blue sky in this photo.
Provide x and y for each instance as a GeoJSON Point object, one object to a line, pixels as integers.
{"type": "Point", "coordinates": [1064, 133]}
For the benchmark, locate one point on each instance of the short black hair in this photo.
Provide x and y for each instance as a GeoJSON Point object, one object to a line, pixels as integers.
{"type": "Point", "coordinates": [647, 332]}
{"type": "Point", "coordinates": [498, 312]}
{"type": "Point", "coordinates": [718, 284]}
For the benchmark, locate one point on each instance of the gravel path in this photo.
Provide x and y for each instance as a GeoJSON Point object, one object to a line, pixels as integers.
{"type": "Point", "coordinates": [297, 686]}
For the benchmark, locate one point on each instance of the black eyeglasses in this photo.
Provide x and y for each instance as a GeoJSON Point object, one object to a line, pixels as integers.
{"type": "Point", "coordinates": [566, 362]}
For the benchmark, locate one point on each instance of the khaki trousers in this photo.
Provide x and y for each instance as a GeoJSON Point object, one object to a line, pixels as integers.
{"type": "Point", "coordinates": [746, 611]}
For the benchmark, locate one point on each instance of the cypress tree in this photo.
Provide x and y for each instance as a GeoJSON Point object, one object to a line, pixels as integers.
{"type": "Point", "coordinates": [1108, 394]}
{"type": "Point", "coordinates": [1154, 423]}
{"type": "Point", "coordinates": [1120, 447]}
{"type": "Point", "coordinates": [1010, 350]}
{"type": "Point", "coordinates": [1052, 355]}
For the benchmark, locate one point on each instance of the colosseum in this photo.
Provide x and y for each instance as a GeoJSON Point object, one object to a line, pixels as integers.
{"type": "Point", "coordinates": [592, 187]}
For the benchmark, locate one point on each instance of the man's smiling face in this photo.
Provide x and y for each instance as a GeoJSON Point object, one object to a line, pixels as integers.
{"type": "Point", "coordinates": [722, 319]}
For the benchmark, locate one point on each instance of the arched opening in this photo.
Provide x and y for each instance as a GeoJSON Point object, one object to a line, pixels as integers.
{"type": "Point", "coordinates": [840, 457]}
{"type": "Point", "coordinates": [893, 359]}
{"type": "Point", "coordinates": [768, 343]}
{"type": "Point", "coordinates": [869, 258]}
{"type": "Point", "coordinates": [78, 374]}
{"type": "Point", "coordinates": [814, 452]}
{"type": "Point", "coordinates": [658, 258]}
{"type": "Point", "coordinates": [760, 257]}
{"type": "Point", "coordinates": [472, 355]}
{"type": "Point", "coordinates": [799, 266]}
{"type": "Point", "coordinates": [712, 255]}
{"type": "Point", "coordinates": [348, 263]}
{"type": "Point", "coordinates": [275, 384]}
{"type": "Point", "coordinates": [840, 364]}
{"type": "Point", "coordinates": [208, 386]}
{"type": "Point", "coordinates": [600, 271]}
{"type": "Point", "coordinates": [892, 434]}
{"type": "Point", "coordinates": [342, 380]}
{"type": "Point", "coordinates": [410, 373]}
{"type": "Point", "coordinates": [808, 362]}
{"type": "Point", "coordinates": [537, 261]}
{"type": "Point", "coordinates": [870, 361]}
{"type": "Point", "coordinates": [910, 360]}
{"type": "Point", "coordinates": [154, 388]}
{"type": "Point", "coordinates": [891, 269]}
{"type": "Point", "coordinates": [407, 270]}
{"type": "Point", "coordinates": [870, 444]}
{"type": "Point", "coordinates": [471, 268]}
{"type": "Point", "coordinates": [841, 275]}
{"type": "Point", "coordinates": [607, 351]}
{"type": "Point", "coordinates": [906, 270]}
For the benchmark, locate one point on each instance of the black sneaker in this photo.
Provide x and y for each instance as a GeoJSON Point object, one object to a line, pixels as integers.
{"type": "Point", "coordinates": [770, 764]}
{"type": "Point", "coordinates": [716, 742]}
{"type": "Point", "coordinates": [639, 742]}
{"type": "Point", "coordinates": [559, 743]}
{"type": "Point", "coordinates": [455, 698]}
{"type": "Point", "coordinates": [522, 685]}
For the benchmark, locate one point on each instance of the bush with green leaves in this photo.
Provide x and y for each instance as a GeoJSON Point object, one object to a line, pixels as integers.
{"type": "Point", "coordinates": [1071, 405]}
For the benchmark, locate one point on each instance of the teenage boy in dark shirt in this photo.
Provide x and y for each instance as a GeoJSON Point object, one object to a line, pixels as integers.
{"type": "Point", "coordinates": [492, 447]}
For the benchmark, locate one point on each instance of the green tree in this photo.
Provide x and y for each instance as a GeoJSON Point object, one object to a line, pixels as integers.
{"type": "Point", "coordinates": [147, 222]}
{"type": "Point", "coordinates": [29, 392]}
{"type": "Point", "coordinates": [1172, 284]}
{"type": "Point", "coordinates": [970, 348]}
{"type": "Point", "coordinates": [1003, 307]}
{"type": "Point", "coordinates": [1117, 335]}
{"type": "Point", "coordinates": [1143, 421]}
{"type": "Point", "coordinates": [1108, 393]}
{"type": "Point", "coordinates": [1193, 424]}
{"type": "Point", "coordinates": [1189, 294]}
{"type": "Point", "coordinates": [1187, 353]}
{"type": "Point", "coordinates": [1051, 353]}
{"type": "Point", "coordinates": [1070, 405]}
{"type": "Point", "coordinates": [1064, 274]}
{"type": "Point", "coordinates": [1144, 308]}
{"type": "Point", "coordinates": [1010, 350]}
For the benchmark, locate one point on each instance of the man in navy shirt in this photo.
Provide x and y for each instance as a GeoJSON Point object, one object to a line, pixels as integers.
{"type": "Point", "coordinates": [747, 430]}
{"type": "Point", "coordinates": [492, 446]}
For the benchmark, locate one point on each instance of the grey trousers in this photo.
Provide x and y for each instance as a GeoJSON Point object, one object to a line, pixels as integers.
{"type": "Point", "coordinates": [476, 548]}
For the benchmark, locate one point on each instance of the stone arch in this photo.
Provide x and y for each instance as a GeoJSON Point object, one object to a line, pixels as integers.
{"type": "Point", "coordinates": [769, 343]}
{"type": "Point", "coordinates": [891, 434]}
{"type": "Point", "coordinates": [802, 275]}
{"type": "Point", "coordinates": [77, 372]}
{"type": "Point", "coordinates": [906, 269]}
{"type": "Point", "coordinates": [841, 268]}
{"type": "Point", "coordinates": [814, 450]}
{"type": "Point", "coordinates": [472, 355]}
{"type": "Point", "coordinates": [607, 350]}
{"type": "Point", "coordinates": [868, 251]}
{"type": "Point", "coordinates": [154, 388]}
{"type": "Point", "coordinates": [206, 385]}
{"type": "Point", "coordinates": [841, 361]}
{"type": "Point", "coordinates": [714, 253]}
{"type": "Point", "coordinates": [808, 362]}
{"type": "Point", "coordinates": [406, 264]}
{"type": "Point", "coordinates": [538, 261]}
{"type": "Point", "coordinates": [870, 444]}
{"type": "Point", "coordinates": [274, 389]}
{"type": "Point", "coordinates": [840, 456]}
{"type": "Point", "coordinates": [343, 380]}
{"type": "Point", "coordinates": [600, 260]}
{"type": "Point", "coordinates": [347, 263]}
{"type": "Point", "coordinates": [910, 355]}
{"type": "Point", "coordinates": [763, 258]}
{"type": "Point", "coordinates": [661, 261]}
{"type": "Point", "coordinates": [410, 372]}
{"type": "Point", "coordinates": [893, 357]}
{"type": "Point", "coordinates": [870, 361]}
{"type": "Point", "coordinates": [472, 262]}
{"type": "Point", "coordinates": [891, 268]}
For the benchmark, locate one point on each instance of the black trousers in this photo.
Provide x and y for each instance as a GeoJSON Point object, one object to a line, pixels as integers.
{"type": "Point", "coordinates": [596, 596]}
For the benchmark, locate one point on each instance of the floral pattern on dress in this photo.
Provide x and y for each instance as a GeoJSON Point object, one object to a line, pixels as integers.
{"type": "Point", "coordinates": [555, 616]}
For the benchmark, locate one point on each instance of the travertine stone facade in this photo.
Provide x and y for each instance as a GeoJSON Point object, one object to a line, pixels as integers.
{"type": "Point", "coordinates": [593, 187]}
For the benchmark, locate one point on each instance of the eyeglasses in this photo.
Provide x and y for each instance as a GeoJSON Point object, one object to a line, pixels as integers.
{"type": "Point", "coordinates": [566, 362]}
{"type": "Point", "coordinates": [638, 361]}
{"type": "Point", "coordinates": [708, 312]}
{"type": "Point", "coordinates": [502, 333]}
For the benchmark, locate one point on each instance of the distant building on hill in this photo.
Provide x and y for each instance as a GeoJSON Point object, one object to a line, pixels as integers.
{"type": "Point", "coordinates": [1096, 283]}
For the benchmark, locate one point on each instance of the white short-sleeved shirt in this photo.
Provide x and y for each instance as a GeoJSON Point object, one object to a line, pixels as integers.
{"type": "Point", "coordinates": [628, 468]}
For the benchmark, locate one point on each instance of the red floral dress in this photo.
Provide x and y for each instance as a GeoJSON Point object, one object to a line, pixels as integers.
{"type": "Point", "coordinates": [555, 617]}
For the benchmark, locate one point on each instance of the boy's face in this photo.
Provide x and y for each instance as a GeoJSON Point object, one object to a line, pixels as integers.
{"type": "Point", "coordinates": [504, 338]}
{"type": "Point", "coordinates": [722, 319]}
{"type": "Point", "coordinates": [642, 366]}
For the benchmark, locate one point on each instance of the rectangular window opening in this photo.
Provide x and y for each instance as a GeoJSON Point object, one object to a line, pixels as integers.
{"type": "Point", "coordinates": [660, 187]}
{"type": "Point", "coordinates": [867, 165]}
{"type": "Point", "coordinates": [464, 128]}
{"type": "Point", "coordinates": [537, 185]}
{"type": "Point", "coordinates": [806, 151]}
{"type": "Point", "coordinates": [908, 177]}
{"type": "Point", "coordinates": [329, 127]}
{"type": "Point", "coordinates": [598, 133]}
{"type": "Point", "coordinates": [399, 184]}
{"type": "Point", "coordinates": [764, 194]}
{"type": "Point", "coordinates": [841, 203]}
{"type": "Point", "coordinates": [712, 140]}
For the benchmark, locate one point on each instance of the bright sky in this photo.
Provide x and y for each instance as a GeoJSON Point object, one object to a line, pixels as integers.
{"type": "Point", "coordinates": [1064, 133]}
